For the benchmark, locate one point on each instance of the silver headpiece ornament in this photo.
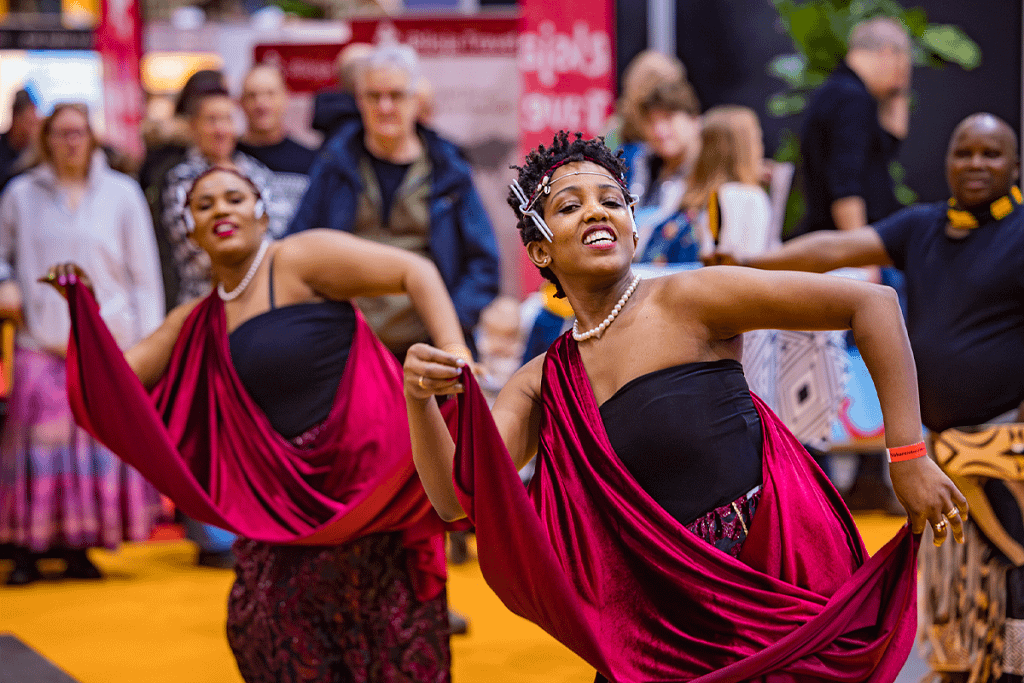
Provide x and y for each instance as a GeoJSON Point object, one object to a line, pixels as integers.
{"type": "Point", "coordinates": [526, 204]}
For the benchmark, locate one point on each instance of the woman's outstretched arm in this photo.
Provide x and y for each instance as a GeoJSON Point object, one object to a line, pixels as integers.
{"type": "Point", "coordinates": [730, 300]}
{"type": "Point", "coordinates": [337, 265]}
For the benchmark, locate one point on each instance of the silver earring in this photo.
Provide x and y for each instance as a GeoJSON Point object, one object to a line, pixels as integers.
{"type": "Point", "coordinates": [258, 209]}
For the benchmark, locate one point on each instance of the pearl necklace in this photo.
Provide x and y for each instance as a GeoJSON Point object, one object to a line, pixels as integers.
{"type": "Point", "coordinates": [234, 293]}
{"type": "Point", "coordinates": [596, 332]}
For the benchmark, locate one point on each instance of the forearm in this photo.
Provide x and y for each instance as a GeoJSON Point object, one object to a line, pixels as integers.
{"type": "Point", "coordinates": [815, 252]}
{"type": "Point", "coordinates": [430, 297]}
{"type": "Point", "coordinates": [882, 340]}
{"type": "Point", "coordinates": [894, 115]}
{"type": "Point", "coordinates": [433, 452]}
{"type": "Point", "coordinates": [849, 213]}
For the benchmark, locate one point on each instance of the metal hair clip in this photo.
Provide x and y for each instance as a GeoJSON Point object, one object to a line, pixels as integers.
{"type": "Point", "coordinates": [634, 199]}
{"type": "Point", "coordinates": [526, 208]}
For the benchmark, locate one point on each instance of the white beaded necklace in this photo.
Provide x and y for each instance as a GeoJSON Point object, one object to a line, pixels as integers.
{"type": "Point", "coordinates": [596, 332]}
{"type": "Point", "coordinates": [234, 293]}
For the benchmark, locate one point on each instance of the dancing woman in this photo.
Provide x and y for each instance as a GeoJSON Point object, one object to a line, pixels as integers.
{"type": "Point", "coordinates": [275, 413]}
{"type": "Point", "coordinates": [674, 530]}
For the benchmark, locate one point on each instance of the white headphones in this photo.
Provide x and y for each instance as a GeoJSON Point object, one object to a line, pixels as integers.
{"type": "Point", "coordinates": [259, 210]}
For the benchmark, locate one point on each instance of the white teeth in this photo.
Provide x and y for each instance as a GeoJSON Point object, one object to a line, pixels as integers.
{"type": "Point", "coordinates": [599, 236]}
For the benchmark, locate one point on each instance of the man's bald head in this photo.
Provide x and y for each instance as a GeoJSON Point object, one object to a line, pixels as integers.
{"type": "Point", "coordinates": [264, 75]}
{"type": "Point", "coordinates": [264, 100]}
{"type": "Point", "coordinates": [985, 123]}
{"type": "Point", "coordinates": [982, 161]}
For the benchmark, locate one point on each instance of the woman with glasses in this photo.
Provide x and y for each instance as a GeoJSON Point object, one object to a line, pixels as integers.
{"type": "Point", "coordinates": [61, 492]}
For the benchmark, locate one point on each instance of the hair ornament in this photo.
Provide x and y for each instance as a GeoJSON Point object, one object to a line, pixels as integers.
{"type": "Point", "coordinates": [527, 210]}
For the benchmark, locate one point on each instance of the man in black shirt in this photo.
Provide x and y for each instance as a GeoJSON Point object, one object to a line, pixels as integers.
{"type": "Point", "coordinates": [24, 125]}
{"type": "Point", "coordinates": [852, 130]}
{"type": "Point", "coordinates": [264, 100]}
{"type": "Point", "coordinates": [964, 264]}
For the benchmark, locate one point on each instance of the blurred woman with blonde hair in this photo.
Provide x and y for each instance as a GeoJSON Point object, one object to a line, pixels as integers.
{"type": "Point", "coordinates": [724, 188]}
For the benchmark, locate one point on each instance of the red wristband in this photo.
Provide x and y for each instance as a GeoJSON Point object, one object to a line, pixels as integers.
{"type": "Point", "coordinates": [910, 452]}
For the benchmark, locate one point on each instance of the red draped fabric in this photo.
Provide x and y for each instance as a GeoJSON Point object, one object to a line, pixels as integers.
{"type": "Point", "coordinates": [203, 442]}
{"type": "Point", "coordinates": [590, 557]}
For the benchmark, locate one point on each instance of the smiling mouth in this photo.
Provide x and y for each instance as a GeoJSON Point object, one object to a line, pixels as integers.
{"type": "Point", "coordinates": [223, 229]}
{"type": "Point", "coordinates": [599, 236]}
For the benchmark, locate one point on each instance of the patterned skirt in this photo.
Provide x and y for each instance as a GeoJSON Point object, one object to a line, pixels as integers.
{"type": "Point", "coordinates": [340, 614]}
{"type": "Point", "coordinates": [58, 485]}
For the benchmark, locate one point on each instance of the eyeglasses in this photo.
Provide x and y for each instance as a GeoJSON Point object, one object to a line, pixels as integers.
{"type": "Point", "coordinates": [376, 96]}
{"type": "Point", "coordinates": [69, 135]}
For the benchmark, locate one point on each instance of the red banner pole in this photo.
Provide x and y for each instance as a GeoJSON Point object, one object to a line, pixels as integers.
{"type": "Point", "coordinates": [567, 79]}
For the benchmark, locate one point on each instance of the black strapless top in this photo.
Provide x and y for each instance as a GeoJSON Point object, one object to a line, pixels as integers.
{"type": "Point", "coordinates": [690, 435]}
{"type": "Point", "coordinates": [291, 359]}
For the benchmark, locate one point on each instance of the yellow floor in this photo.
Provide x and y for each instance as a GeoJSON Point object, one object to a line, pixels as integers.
{"type": "Point", "coordinates": [158, 619]}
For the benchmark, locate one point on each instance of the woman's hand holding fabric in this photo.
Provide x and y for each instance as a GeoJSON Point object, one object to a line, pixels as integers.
{"type": "Point", "coordinates": [62, 274]}
{"type": "Point", "coordinates": [430, 371]}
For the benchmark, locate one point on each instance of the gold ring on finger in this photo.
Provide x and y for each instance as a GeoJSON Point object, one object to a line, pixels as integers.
{"type": "Point", "coordinates": [420, 382]}
{"type": "Point", "coordinates": [941, 526]}
{"type": "Point", "coordinates": [951, 514]}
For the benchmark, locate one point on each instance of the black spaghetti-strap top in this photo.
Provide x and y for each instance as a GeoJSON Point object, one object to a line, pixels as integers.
{"type": "Point", "coordinates": [689, 434]}
{"type": "Point", "coordinates": [291, 360]}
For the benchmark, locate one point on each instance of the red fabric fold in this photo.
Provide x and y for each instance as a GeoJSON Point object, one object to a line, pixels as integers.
{"type": "Point", "coordinates": [590, 557]}
{"type": "Point", "coordinates": [203, 442]}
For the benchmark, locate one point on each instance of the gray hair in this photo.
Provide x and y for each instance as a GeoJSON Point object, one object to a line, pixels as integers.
{"type": "Point", "coordinates": [879, 33]}
{"type": "Point", "coordinates": [392, 56]}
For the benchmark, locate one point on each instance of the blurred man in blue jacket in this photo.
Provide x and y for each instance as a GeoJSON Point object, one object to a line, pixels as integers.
{"type": "Point", "coordinates": [387, 179]}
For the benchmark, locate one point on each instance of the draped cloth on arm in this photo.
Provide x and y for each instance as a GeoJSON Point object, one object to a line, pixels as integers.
{"type": "Point", "coordinates": [202, 441]}
{"type": "Point", "coordinates": [590, 557]}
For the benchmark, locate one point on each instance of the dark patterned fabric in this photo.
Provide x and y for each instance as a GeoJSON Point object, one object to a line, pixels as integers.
{"type": "Point", "coordinates": [725, 527]}
{"type": "Point", "coordinates": [343, 614]}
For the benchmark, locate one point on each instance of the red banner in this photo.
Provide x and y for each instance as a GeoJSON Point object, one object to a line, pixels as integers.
{"type": "Point", "coordinates": [118, 39]}
{"type": "Point", "coordinates": [308, 68]}
{"type": "Point", "coordinates": [567, 77]}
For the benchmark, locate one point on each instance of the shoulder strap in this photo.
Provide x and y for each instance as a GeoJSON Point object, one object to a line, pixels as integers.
{"type": "Point", "coordinates": [270, 282]}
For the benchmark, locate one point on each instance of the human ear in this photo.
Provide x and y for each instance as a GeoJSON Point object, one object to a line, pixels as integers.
{"type": "Point", "coordinates": [538, 253]}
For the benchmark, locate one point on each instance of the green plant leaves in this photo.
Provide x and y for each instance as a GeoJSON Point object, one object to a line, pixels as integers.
{"type": "Point", "coordinates": [952, 45]}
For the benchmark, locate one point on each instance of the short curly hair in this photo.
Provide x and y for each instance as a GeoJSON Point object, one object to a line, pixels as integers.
{"type": "Point", "coordinates": [564, 149]}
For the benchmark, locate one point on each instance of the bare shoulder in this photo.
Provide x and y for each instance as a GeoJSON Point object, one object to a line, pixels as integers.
{"type": "Point", "coordinates": [308, 243]}
{"type": "Point", "coordinates": [525, 382]}
{"type": "Point", "coordinates": [176, 318]}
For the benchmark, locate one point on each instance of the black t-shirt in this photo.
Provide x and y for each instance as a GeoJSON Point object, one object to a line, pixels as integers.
{"type": "Point", "coordinates": [965, 312]}
{"type": "Point", "coordinates": [286, 156]}
{"type": "Point", "coordinates": [846, 152]}
{"type": "Point", "coordinates": [389, 178]}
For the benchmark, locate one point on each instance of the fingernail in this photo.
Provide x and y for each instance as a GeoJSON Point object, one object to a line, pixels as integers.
{"type": "Point", "coordinates": [72, 279]}
{"type": "Point", "coordinates": [460, 363]}
{"type": "Point", "coordinates": [62, 280]}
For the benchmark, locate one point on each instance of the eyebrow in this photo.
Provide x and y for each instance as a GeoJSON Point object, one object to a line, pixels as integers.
{"type": "Point", "coordinates": [576, 188]}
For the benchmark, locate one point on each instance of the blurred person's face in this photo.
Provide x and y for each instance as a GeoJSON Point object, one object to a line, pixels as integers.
{"type": "Point", "coordinates": [674, 136]}
{"type": "Point", "coordinates": [70, 141]}
{"type": "Point", "coordinates": [891, 72]}
{"type": "Point", "coordinates": [264, 100]}
{"type": "Point", "coordinates": [213, 127]}
{"type": "Point", "coordinates": [981, 163]}
{"type": "Point", "coordinates": [387, 103]}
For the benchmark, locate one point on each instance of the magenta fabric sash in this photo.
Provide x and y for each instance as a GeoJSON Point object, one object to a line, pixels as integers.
{"type": "Point", "coordinates": [590, 557]}
{"type": "Point", "coordinates": [203, 442]}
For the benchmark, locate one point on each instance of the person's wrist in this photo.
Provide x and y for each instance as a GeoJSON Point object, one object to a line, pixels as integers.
{"type": "Point", "coordinates": [459, 351]}
{"type": "Point", "coordinates": [906, 453]}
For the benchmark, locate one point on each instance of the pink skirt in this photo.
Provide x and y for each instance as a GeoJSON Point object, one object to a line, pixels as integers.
{"type": "Point", "coordinates": [58, 485]}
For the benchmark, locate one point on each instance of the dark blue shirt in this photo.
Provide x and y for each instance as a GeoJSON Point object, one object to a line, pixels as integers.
{"type": "Point", "coordinates": [965, 312]}
{"type": "Point", "coordinates": [846, 152]}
